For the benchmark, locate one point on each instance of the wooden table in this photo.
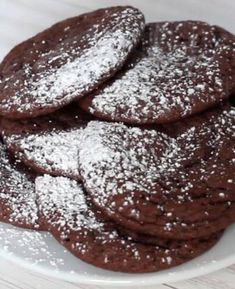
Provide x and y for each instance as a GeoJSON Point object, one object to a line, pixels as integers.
{"type": "Point", "coordinates": [21, 18]}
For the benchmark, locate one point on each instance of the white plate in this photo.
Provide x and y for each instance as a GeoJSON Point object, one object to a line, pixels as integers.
{"type": "Point", "coordinates": [39, 252]}
{"type": "Point", "coordinates": [36, 251]}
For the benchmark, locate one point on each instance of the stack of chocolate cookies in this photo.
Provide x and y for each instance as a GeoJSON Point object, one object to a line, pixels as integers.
{"type": "Point", "coordinates": [118, 137]}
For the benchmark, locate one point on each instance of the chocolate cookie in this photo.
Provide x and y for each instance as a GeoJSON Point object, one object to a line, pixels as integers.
{"type": "Point", "coordinates": [165, 243]}
{"type": "Point", "coordinates": [17, 194]}
{"type": "Point", "coordinates": [66, 212]}
{"type": "Point", "coordinates": [67, 61]}
{"type": "Point", "coordinates": [175, 186]}
{"type": "Point", "coordinates": [179, 69]}
{"type": "Point", "coordinates": [47, 144]}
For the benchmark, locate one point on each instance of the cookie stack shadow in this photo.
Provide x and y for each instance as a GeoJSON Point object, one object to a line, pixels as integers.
{"type": "Point", "coordinates": [118, 137]}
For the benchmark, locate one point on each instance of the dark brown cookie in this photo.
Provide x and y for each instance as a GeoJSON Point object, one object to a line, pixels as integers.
{"type": "Point", "coordinates": [179, 69]}
{"type": "Point", "coordinates": [68, 216]}
{"type": "Point", "coordinates": [67, 61]}
{"type": "Point", "coordinates": [17, 194]}
{"type": "Point", "coordinates": [164, 243]}
{"type": "Point", "coordinates": [177, 230]}
{"type": "Point", "coordinates": [175, 185]}
{"type": "Point", "coordinates": [47, 144]}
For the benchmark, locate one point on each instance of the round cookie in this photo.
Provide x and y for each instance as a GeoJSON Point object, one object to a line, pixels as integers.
{"type": "Point", "coordinates": [17, 194]}
{"type": "Point", "coordinates": [47, 144]}
{"type": "Point", "coordinates": [178, 186]}
{"type": "Point", "coordinates": [179, 69]}
{"type": "Point", "coordinates": [67, 61]}
{"type": "Point", "coordinates": [67, 214]}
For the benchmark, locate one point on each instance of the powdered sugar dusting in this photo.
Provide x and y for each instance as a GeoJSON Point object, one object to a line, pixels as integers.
{"type": "Point", "coordinates": [180, 68]}
{"type": "Point", "coordinates": [62, 202]}
{"type": "Point", "coordinates": [70, 71]}
{"type": "Point", "coordinates": [118, 162]}
{"type": "Point", "coordinates": [115, 159]}
{"type": "Point", "coordinates": [52, 151]}
{"type": "Point", "coordinates": [17, 194]}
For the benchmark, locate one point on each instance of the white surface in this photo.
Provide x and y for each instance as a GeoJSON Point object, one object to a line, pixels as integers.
{"type": "Point", "coordinates": [20, 19]}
